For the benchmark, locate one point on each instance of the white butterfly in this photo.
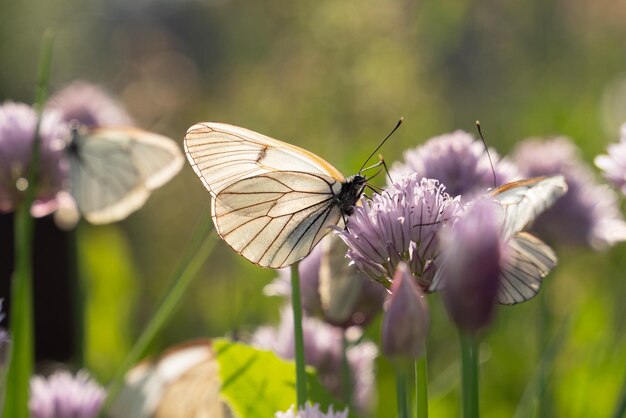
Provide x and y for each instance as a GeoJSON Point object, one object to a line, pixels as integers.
{"type": "Point", "coordinates": [113, 170]}
{"type": "Point", "coordinates": [183, 383]}
{"type": "Point", "coordinates": [530, 259]}
{"type": "Point", "coordinates": [271, 201]}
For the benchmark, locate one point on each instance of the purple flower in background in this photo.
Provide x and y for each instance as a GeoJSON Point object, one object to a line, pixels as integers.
{"type": "Point", "coordinates": [400, 225]}
{"type": "Point", "coordinates": [332, 288]}
{"type": "Point", "coordinates": [470, 268]}
{"type": "Point", "coordinates": [63, 395]}
{"type": "Point", "coordinates": [323, 350]}
{"type": "Point", "coordinates": [311, 411]}
{"type": "Point", "coordinates": [588, 214]}
{"type": "Point", "coordinates": [405, 321]}
{"type": "Point", "coordinates": [89, 105]}
{"type": "Point", "coordinates": [17, 130]}
{"type": "Point", "coordinates": [613, 165]}
{"type": "Point", "coordinates": [459, 162]}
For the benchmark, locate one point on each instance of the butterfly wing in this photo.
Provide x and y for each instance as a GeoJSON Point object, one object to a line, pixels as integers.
{"type": "Point", "coordinates": [113, 170]}
{"type": "Point", "coordinates": [528, 262]}
{"type": "Point", "coordinates": [184, 382]}
{"type": "Point", "coordinates": [276, 218]}
{"type": "Point", "coordinates": [222, 154]}
{"type": "Point", "coordinates": [522, 201]}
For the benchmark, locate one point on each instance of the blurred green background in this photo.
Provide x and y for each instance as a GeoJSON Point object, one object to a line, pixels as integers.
{"type": "Point", "coordinates": [334, 76]}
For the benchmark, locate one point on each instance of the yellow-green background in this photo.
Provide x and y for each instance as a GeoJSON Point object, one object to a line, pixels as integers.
{"type": "Point", "coordinates": [334, 76]}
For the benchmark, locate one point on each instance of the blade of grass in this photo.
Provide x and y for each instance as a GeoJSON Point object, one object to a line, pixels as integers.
{"type": "Point", "coordinates": [21, 354]}
{"type": "Point", "coordinates": [527, 404]}
{"type": "Point", "coordinates": [202, 244]}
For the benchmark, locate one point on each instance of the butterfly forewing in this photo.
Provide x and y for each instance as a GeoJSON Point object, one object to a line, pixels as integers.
{"type": "Point", "coordinates": [276, 218]}
{"type": "Point", "coordinates": [113, 170]}
{"type": "Point", "coordinates": [522, 201]}
{"type": "Point", "coordinates": [222, 154]}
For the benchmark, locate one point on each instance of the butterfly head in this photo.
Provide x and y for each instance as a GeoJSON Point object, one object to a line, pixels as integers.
{"type": "Point", "coordinates": [350, 192]}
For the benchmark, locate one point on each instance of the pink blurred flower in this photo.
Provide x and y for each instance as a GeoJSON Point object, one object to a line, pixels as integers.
{"type": "Point", "coordinates": [89, 105]}
{"type": "Point", "coordinates": [311, 411]}
{"type": "Point", "coordinates": [588, 214]}
{"type": "Point", "coordinates": [459, 162]}
{"type": "Point", "coordinates": [323, 350]}
{"type": "Point", "coordinates": [613, 165]}
{"type": "Point", "coordinates": [17, 130]}
{"type": "Point", "coordinates": [63, 395]}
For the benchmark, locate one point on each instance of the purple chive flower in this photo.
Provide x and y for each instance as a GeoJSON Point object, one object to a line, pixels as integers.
{"type": "Point", "coordinates": [63, 395]}
{"type": "Point", "coordinates": [459, 162]}
{"type": "Point", "coordinates": [400, 225]}
{"type": "Point", "coordinates": [89, 105]}
{"type": "Point", "coordinates": [17, 129]}
{"type": "Point", "coordinates": [613, 165]}
{"type": "Point", "coordinates": [588, 214]}
{"type": "Point", "coordinates": [405, 321]}
{"type": "Point", "coordinates": [323, 350]}
{"type": "Point", "coordinates": [332, 288]}
{"type": "Point", "coordinates": [311, 411]}
{"type": "Point", "coordinates": [471, 259]}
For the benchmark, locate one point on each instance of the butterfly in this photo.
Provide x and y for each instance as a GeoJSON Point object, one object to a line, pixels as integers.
{"type": "Point", "coordinates": [272, 202]}
{"type": "Point", "coordinates": [183, 382]}
{"type": "Point", "coordinates": [530, 259]}
{"type": "Point", "coordinates": [113, 170]}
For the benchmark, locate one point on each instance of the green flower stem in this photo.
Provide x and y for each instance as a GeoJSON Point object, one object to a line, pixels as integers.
{"type": "Point", "coordinates": [544, 397]}
{"type": "Point", "coordinates": [469, 374]}
{"type": "Point", "coordinates": [421, 387]}
{"type": "Point", "coordinates": [22, 352]}
{"type": "Point", "coordinates": [401, 391]}
{"type": "Point", "coordinates": [202, 244]}
{"type": "Point", "coordinates": [296, 304]}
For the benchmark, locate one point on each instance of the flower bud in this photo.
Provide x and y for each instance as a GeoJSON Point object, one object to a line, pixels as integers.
{"type": "Point", "coordinates": [405, 321]}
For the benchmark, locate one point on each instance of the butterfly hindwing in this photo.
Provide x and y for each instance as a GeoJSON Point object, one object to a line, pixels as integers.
{"type": "Point", "coordinates": [276, 218]}
{"type": "Point", "coordinates": [528, 262]}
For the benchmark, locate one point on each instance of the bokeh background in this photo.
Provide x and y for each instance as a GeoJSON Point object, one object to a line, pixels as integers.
{"type": "Point", "coordinates": [334, 76]}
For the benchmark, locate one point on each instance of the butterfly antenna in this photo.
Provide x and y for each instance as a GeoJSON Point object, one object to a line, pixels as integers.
{"type": "Point", "coordinates": [382, 161]}
{"type": "Point", "coordinates": [493, 170]}
{"type": "Point", "coordinates": [382, 143]}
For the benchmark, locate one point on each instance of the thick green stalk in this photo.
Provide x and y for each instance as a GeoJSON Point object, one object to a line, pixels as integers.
{"type": "Point", "coordinates": [202, 245]}
{"type": "Point", "coordinates": [21, 354]}
{"type": "Point", "coordinates": [469, 374]}
{"type": "Point", "coordinates": [421, 387]}
{"type": "Point", "coordinates": [401, 391]}
{"type": "Point", "coordinates": [296, 304]}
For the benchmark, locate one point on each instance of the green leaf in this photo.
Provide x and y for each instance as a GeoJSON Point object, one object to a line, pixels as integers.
{"type": "Point", "coordinates": [258, 383]}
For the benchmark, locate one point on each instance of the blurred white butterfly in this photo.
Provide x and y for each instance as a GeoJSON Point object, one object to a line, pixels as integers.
{"type": "Point", "coordinates": [183, 383]}
{"type": "Point", "coordinates": [530, 259]}
{"type": "Point", "coordinates": [271, 201]}
{"type": "Point", "coordinates": [113, 170]}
